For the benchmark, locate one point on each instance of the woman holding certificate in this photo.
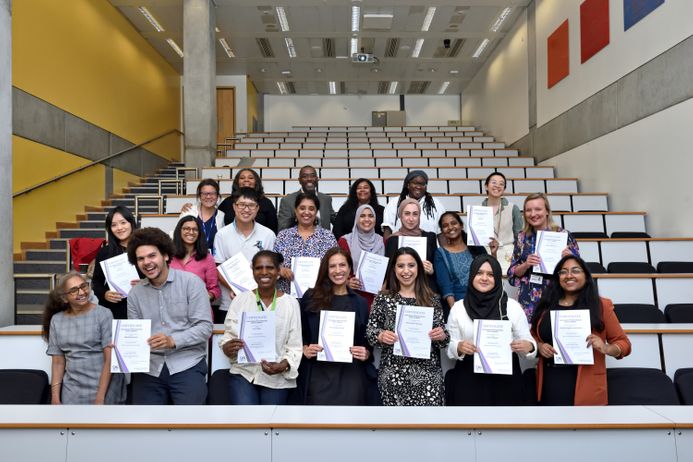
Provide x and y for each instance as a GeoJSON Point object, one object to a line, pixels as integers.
{"type": "Point", "coordinates": [360, 240]}
{"type": "Point", "coordinates": [486, 328]}
{"type": "Point", "coordinates": [338, 366]}
{"type": "Point", "coordinates": [305, 239]}
{"type": "Point", "coordinates": [507, 218]}
{"type": "Point", "coordinates": [192, 254]}
{"type": "Point", "coordinates": [78, 333]}
{"type": "Point", "coordinates": [262, 337]}
{"type": "Point", "coordinates": [529, 269]}
{"type": "Point", "coordinates": [120, 224]}
{"type": "Point", "coordinates": [575, 329]}
{"type": "Point", "coordinates": [406, 322]}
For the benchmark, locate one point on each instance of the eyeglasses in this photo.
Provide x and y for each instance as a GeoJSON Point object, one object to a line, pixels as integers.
{"type": "Point", "coordinates": [190, 230]}
{"type": "Point", "coordinates": [84, 287]}
{"type": "Point", "coordinates": [574, 271]}
{"type": "Point", "coordinates": [246, 205]}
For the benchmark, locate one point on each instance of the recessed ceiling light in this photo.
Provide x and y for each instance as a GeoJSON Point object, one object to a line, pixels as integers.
{"type": "Point", "coordinates": [318, 70]}
{"type": "Point", "coordinates": [392, 88]}
{"type": "Point", "coordinates": [417, 48]}
{"type": "Point", "coordinates": [375, 69]}
{"type": "Point", "coordinates": [282, 88]}
{"type": "Point", "coordinates": [175, 47]}
{"type": "Point", "coordinates": [428, 19]}
{"type": "Point", "coordinates": [355, 18]}
{"type": "Point", "coordinates": [433, 69]}
{"type": "Point", "coordinates": [443, 87]}
{"type": "Point", "coordinates": [290, 47]}
{"type": "Point", "coordinates": [499, 21]}
{"type": "Point", "coordinates": [263, 70]}
{"type": "Point", "coordinates": [283, 22]}
{"type": "Point", "coordinates": [333, 88]}
{"type": "Point", "coordinates": [216, 29]}
{"type": "Point", "coordinates": [481, 48]}
{"type": "Point", "coordinates": [227, 48]}
{"type": "Point", "coordinates": [152, 20]}
{"type": "Point", "coordinates": [454, 71]}
{"type": "Point", "coordinates": [286, 72]}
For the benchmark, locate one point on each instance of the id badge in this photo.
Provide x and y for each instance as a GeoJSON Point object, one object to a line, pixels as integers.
{"type": "Point", "coordinates": [536, 279]}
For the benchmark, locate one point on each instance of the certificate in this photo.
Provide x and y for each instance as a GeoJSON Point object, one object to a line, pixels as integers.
{"type": "Point", "coordinates": [130, 351]}
{"type": "Point", "coordinates": [371, 270]}
{"type": "Point", "coordinates": [119, 273]}
{"type": "Point", "coordinates": [480, 225]}
{"type": "Point", "coordinates": [493, 353]}
{"type": "Point", "coordinates": [413, 323]}
{"type": "Point", "coordinates": [415, 242]}
{"type": "Point", "coordinates": [336, 336]}
{"type": "Point", "coordinates": [258, 333]}
{"type": "Point", "coordinates": [570, 329]}
{"type": "Point", "coordinates": [550, 245]}
{"type": "Point", "coordinates": [305, 271]}
{"type": "Point", "coordinates": [238, 274]}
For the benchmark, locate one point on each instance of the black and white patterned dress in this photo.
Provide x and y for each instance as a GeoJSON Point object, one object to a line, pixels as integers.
{"type": "Point", "coordinates": [406, 381]}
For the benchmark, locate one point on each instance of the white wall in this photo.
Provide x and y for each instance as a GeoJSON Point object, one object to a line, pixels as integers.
{"type": "Point", "coordinates": [497, 99]}
{"type": "Point", "coordinates": [240, 82]}
{"type": "Point", "coordinates": [285, 111]}
{"type": "Point", "coordinates": [663, 28]}
{"type": "Point", "coordinates": [645, 166]}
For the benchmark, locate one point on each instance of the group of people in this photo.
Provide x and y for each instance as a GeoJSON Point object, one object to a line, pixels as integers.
{"type": "Point", "coordinates": [181, 290]}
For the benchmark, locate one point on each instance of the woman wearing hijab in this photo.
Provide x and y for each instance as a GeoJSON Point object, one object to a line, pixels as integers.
{"type": "Point", "coordinates": [362, 238]}
{"type": "Point", "coordinates": [414, 187]}
{"type": "Point", "coordinates": [486, 300]}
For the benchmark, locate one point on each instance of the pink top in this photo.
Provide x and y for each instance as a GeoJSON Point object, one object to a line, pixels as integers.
{"type": "Point", "coordinates": [205, 269]}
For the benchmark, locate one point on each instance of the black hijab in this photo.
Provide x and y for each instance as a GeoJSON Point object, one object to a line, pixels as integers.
{"type": "Point", "coordinates": [489, 305]}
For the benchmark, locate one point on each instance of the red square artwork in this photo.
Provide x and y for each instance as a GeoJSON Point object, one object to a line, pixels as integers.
{"type": "Point", "coordinates": [594, 27]}
{"type": "Point", "coordinates": [558, 56]}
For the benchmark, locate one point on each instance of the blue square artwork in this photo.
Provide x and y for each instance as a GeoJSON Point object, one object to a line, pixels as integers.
{"type": "Point", "coordinates": [635, 10]}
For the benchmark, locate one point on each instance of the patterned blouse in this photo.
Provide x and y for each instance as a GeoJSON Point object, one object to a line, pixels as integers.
{"type": "Point", "coordinates": [290, 244]}
{"type": "Point", "coordinates": [529, 294]}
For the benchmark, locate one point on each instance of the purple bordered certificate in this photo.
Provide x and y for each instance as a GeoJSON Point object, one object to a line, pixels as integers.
{"type": "Point", "coordinates": [130, 351]}
{"type": "Point", "coordinates": [258, 332]}
{"type": "Point", "coordinates": [570, 329]}
{"type": "Point", "coordinates": [412, 325]}
{"type": "Point", "coordinates": [492, 339]}
{"type": "Point", "coordinates": [336, 336]}
{"type": "Point", "coordinates": [479, 225]}
{"type": "Point", "coordinates": [119, 273]}
{"type": "Point", "coordinates": [238, 274]}
{"type": "Point", "coordinates": [305, 271]}
{"type": "Point", "coordinates": [371, 271]}
{"type": "Point", "coordinates": [550, 245]}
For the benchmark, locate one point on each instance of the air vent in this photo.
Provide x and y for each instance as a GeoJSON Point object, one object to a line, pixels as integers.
{"type": "Point", "coordinates": [291, 88]}
{"type": "Point", "coordinates": [328, 48]}
{"type": "Point", "coordinates": [342, 88]}
{"type": "Point", "coordinates": [391, 47]}
{"type": "Point", "coordinates": [455, 48]}
{"type": "Point", "coordinates": [418, 87]}
{"type": "Point", "coordinates": [265, 47]}
{"type": "Point", "coordinates": [382, 87]}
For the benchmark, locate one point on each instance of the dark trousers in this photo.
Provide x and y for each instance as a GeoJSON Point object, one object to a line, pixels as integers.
{"type": "Point", "coordinates": [186, 387]}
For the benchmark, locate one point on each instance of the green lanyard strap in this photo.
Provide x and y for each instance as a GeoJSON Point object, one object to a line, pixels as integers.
{"type": "Point", "coordinates": [260, 307]}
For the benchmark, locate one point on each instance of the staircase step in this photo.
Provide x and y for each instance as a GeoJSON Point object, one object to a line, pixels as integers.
{"type": "Point", "coordinates": [91, 224]}
{"type": "Point", "coordinates": [50, 266]}
{"type": "Point", "coordinates": [46, 255]}
{"type": "Point", "coordinates": [43, 284]}
{"type": "Point", "coordinates": [58, 243]}
{"type": "Point", "coordinates": [76, 232]}
{"type": "Point", "coordinates": [31, 297]}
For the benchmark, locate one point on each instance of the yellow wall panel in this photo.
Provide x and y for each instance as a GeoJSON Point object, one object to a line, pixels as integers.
{"type": "Point", "coordinates": [252, 103]}
{"type": "Point", "coordinates": [121, 180]}
{"type": "Point", "coordinates": [86, 58]}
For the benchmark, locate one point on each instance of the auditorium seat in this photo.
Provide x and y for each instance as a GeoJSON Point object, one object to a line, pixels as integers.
{"type": "Point", "coordinates": [24, 386]}
{"type": "Point", "coordinates": [675, 267]}
{"type": "Point", "coordinates": [630, 267]}
{"type": "Point", "coordinates": [640, 386]}
{"type": "Point", "coordinates": [218, 388]}
{"type": "Point", "coordinates": [683, 379]}
{"type": "Point", "coordinates": [639, 313]}
{"type": "Point", "coordinates": [679, 312]}
{"type": "Point", "coordinates": [589, 235]}
{"type": "Point", "coordinates": [629, 235]}
{"type": "Point", "coordinates": [595, 267]}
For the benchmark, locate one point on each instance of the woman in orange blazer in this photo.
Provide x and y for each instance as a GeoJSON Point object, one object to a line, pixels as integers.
{"type": "Point", "coordinates": [581, 385]}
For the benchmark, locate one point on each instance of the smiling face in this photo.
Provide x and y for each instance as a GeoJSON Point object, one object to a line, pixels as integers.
{"type": "Point", "coordinates": [308, 178]}
{"type": "Point", "coordinates": [306, 212]}
{"type": "Point", "coordinates": [536, 214]}
{"type": "Point", "coordinates": [406, 271]}
{"type": "Point", "coordinates": [451, 227]}
{"type": "Point", "coordinates": [483, 280]}
{"type": "Point", "coordinates": [76, 293]}
{"type": "Point", "coordinates": [208, 196]}
{"type": "Point", "coordinates": [571, 277]}
{"type": "Point", "coordinates": [417, 187]}
{"type": "Point", "coordinates": [152, 263]}
{"type": "Point", "coordinates": [246, 179]}
{"type": "Point", "coordinates": [189, 232]}
{"type": "Point", "coordinates": [495, 186]}
{"type": "Point", "coordinates": [265, 273]}
{"type": "Point", "coordinates": [410, 217]}
{"type": "Point", "coordinates": [366, 221]}
{"type": "Point", "coordinates": [338, 270]}
{"type": "Point", "coordinates": [363, 193]}
{"type": "Point", "coordinates": [246, 209]}
{"type": "Point", "coordinates": [121, 228]}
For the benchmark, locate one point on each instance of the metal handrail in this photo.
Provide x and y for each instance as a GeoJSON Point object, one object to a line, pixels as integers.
{"type": "Point", "coordinates": [91, 164]}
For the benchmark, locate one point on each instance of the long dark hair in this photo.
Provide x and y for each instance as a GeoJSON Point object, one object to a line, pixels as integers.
{"type": "Point", "coordinates": [200, 246]}
{"type": "Point", "coordinates": [322, 294]}
{"type": "Point", "coordinates": [588, 298]}
{"type": "Point", "coordinates": [353, 202]}
{"type": "Point", "coordinates": [113, 241]}
{"type": "Point", "coordinates": [56, 301]}
{"type": "Point", "coordinates": [463, 233]}
{"type": "Point", "coordinates": [428, 207]}
{"type": "Point", "coordinates": [258, 181]}
{"type": "Point", "coordinates": [424, 294]}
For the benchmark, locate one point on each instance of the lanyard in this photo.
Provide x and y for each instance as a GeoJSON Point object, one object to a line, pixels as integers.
{"type": "Point", "coordinates": [260, 307]}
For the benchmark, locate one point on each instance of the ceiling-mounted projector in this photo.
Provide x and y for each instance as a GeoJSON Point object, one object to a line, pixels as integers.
{"type": "Point", "coordinates": [363, 58]}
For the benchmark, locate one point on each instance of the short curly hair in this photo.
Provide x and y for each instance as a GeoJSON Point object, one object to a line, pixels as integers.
{"type": "Point", "coordinates": [150, 236]}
